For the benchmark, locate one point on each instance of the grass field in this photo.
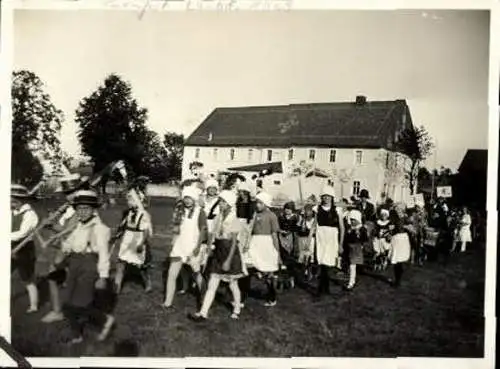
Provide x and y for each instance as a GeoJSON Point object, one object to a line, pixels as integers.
{"type": "Point", "coordinates": [437, 312]}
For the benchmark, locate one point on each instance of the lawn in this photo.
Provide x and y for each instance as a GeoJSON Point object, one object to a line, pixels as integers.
{"type": "Point", "coordinates": [437, 312]}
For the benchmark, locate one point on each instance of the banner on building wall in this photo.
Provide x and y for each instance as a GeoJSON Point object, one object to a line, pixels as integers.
{"type": "Point", "coordinates": [444, 191]}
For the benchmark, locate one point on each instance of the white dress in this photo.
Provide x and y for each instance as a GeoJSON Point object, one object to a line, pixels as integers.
{"type": "Point", "coordinates": [327, 241]}
{"type": "Point", "coordinates": [464, 233]}
{"type": "Point", "coordinates": [185, 242]}
{"type": "Point", "coordinates": [138, 229]}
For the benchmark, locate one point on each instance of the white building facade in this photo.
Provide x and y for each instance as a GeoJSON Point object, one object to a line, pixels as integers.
{"type": "Point", "coordinates": [378, 170]}
{"type": "Point", "coordinates": [355, 143]}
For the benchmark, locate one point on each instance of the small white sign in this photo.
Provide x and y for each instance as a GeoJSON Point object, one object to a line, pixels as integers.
{"type": "Point", "coordinates": [444, 191]}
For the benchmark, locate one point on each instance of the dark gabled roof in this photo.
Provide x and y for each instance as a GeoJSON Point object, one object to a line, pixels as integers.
{"type": "Point", "coordinates": [275, 167]}
{"type": "Point", "coordinates": [372, 124]}
{"type": "Point", "coordinates": [474, 160]}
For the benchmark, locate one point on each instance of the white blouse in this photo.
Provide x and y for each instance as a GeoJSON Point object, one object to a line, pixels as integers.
{"type": "Point", "coordinates": [91, 237]}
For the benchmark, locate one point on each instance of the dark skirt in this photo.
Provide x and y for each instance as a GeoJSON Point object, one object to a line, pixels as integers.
{"type": "Point", "coordinates": [219, 256]}
{"type": "Point", "coordinates": [355, 253]}
{"type": "Point", "coordinates": [24, 262]}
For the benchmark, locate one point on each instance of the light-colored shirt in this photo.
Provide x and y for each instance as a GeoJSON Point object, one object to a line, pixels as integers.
{"type": "Point", "coordinates": [91, 237]}
{"type": "Point", "coordinates": [28, 224]}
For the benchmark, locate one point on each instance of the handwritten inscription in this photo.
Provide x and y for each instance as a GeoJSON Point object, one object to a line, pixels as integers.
{"type": "Point", "coordinates": [220, 5]}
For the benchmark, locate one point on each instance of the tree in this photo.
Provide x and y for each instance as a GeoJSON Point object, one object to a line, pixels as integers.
{"type": "Point", "coordinates": [174, 146]}
{"type": "Point", "coordinates": [155, 161]}
{"type": "Point", "coordinates": [417, 145]}
{"type": "Point", "coordinates": [112, 126]}
{"type": "Point", "coordinates": [36, 125]}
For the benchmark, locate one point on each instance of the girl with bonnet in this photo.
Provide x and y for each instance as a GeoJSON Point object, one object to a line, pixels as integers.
{"type": "Point", "coordinates": [225, 263]}
{"type": "Point", "coordinates": [329, 237]}
{"type": "Point", "coordinates": [263, 247]}
{"type": "Point", "coordinates": [190, 228]}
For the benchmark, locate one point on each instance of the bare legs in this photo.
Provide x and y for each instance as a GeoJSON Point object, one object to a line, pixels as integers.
{"type": "Point", "coordinates": [173, 273]}
{"type": "Point", "coordinates": [213, 285]}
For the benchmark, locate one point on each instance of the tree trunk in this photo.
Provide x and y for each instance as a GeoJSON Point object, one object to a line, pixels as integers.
{"type": "Point", "coordinates": [412, 176]}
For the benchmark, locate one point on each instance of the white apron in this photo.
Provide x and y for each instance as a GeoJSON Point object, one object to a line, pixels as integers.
{"type": "Point", "coordinates": [128, 248]}
{"type": "Point", "coordinates": [400, 248]}
{"type": "Point", "coordinates": [262, 254]}
{"type": "Point", "coordinates": [132, 238]}
{"type": "Point", "coordinates": [464, 233]}
{"type": "Point", "coordinates": [185, 242]}
{"type": "Point", "coordinates": [327, 245]}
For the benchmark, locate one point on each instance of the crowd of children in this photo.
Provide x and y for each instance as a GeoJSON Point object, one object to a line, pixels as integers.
{"type": "Point", "coordinates": [227, 233]}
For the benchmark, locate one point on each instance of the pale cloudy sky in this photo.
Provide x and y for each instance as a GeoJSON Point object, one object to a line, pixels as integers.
{"type": "Point", "coordinates": [182, 65]}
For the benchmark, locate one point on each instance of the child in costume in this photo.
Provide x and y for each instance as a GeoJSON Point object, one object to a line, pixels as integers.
{"type": "Point", "coordinates": [24, 221]}
{"type": "Point", "coordinates": [134, 247]}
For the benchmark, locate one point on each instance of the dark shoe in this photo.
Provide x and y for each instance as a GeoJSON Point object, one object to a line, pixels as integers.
{"type": "Point", "coordinates": [197, 318]}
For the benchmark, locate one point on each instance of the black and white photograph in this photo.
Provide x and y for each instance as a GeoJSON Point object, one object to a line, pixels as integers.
{"type": "Point", "coordinates": [251, 184]}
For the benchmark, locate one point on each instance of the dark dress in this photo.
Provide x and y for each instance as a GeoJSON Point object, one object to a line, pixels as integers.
{"type": "Point", "coordinates": [223, 243]}
{"type": "Point", "coordinates": [355, 241]}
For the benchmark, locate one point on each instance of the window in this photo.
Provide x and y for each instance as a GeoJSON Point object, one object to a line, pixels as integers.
{"type": "Point", "coordinates": [333, 156]}
{"type": "Point", "coordinates": [359, 157]}
{"type": "Point", "coordinates": [277, 183]}
{"type": "Point", "coordinates": [269, 155]}
{"type": "Point", "coordinates": [250, 154]}
{"type": "Point", "coordinates": [231, 154]}
{"type": "Point", "coordinates": [197, 153]}
{"type": "Point", "coordinates": [387, 158]}
{"type": "Point", "coordinates": [214, 154]}
{"type": "Point", "coordinates": [356, 187]}
{"type": "Point", "coordinates": [386, 188]}
{"type": "Point", "coordinates": [312, 154]}
{"type": "Point", "coordinates": [290, 154]}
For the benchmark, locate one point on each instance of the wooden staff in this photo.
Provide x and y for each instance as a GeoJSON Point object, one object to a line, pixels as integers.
{"type": "Point", "coordinates": [52, 218]}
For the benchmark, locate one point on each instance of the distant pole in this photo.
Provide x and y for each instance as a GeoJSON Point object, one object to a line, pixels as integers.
{"type": "Point", "coordinates": [434, 171]}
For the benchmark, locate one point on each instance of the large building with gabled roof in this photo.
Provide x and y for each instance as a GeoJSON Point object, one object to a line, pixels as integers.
{"type": "Point", "coordinates": [354, 141]}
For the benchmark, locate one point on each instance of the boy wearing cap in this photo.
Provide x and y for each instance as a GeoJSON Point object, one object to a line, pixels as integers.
{"type": "Point", "coordinates": [190, 230]}
{"type": "Point", "coordinates": [87, 257]}
{"type": "Point", "coordinates": [24, 221]}
{"type": "Point", "coordinates": [57, 273]}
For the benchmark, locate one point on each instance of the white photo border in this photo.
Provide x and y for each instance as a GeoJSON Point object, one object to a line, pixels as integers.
{"type": "Point", "coordinates": [140, 6]}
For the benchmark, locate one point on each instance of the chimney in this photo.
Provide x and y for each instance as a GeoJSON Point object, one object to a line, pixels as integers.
{"type": "Point", "coordinates": [360, 100]}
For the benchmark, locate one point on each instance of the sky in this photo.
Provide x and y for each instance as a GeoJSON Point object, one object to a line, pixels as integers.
{"type": "Point", "coordinates": [182, 65]}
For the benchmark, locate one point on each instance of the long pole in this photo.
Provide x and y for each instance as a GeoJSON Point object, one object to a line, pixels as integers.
{"type": "Point", "coordinates": [434, 171]}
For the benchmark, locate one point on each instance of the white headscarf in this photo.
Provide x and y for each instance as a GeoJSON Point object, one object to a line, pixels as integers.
{"type": "Point", "coordinates": [192, 192]}
{"type": "Point", "coordinates": [211, 183]}
{"type": "Point", "coordinates": [265, 198]}
{"type": "Point", "coordinates": [229, 197]}
{"type": "Point", "coordinates": [328, 191]}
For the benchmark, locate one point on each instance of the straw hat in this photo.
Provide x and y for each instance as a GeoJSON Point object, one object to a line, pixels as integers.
{"type": "Point", "coordinates": [85, 197]}
{"type": "Point", "coordinates": [72, 182]}
{"type": "Point", "coordinates": [229, 197]}
{"type": "Point", "coordinates": [19, 191]}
